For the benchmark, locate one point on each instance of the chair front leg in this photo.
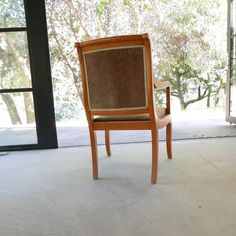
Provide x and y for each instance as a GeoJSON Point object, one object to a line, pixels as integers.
{"type": "Point", "coordinates": [93, 141]}
{"type": "Point", "coordinates": [107, 141]}
{"type": "Point", "coordinates": [155, 143]}
{"type": "Point", "coordinates": [169, 140]}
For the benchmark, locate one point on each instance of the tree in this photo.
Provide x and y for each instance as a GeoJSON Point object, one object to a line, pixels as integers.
{"type": "Point", "coordinates": [190, 59]}
{"type": "Point", "coordinates": [184, 51]}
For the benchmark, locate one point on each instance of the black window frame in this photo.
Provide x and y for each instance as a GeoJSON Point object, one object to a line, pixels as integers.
{"type": "Point", "coordinates": [36, 29]}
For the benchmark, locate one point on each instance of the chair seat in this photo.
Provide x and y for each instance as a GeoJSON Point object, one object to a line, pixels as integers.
{"type": "Point", "coordinates": [161, 112]}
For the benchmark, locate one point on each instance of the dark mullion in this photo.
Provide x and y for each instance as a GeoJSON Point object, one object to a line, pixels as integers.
{"type": "Point", "coordinates": [41, 73]}
{"type": "Point", "coordinates": [18, 29]}
{"type": "Point", "coordinates": [18, 90]}
{"type": "Point", "coordinates": [18, 147]}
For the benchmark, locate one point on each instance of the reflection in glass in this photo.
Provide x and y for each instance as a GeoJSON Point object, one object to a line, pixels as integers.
{"type": "Point", "coordinates": [12, 13]}
{"type": "Point", "coordinates": [17, 120]}
{"type": "Point", "coordinates": [14, 61]}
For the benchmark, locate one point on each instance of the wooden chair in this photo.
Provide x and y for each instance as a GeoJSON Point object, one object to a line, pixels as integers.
{"type": "Point", "coordinates": [118, 91]}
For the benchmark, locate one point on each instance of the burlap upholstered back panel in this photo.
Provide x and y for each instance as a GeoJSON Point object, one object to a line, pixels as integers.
{"type": "Point", "coordinates": [116, 78]}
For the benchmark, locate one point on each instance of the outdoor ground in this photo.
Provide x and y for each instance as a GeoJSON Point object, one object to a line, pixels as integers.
{"type": "Point", "coordinates": [186, 125]}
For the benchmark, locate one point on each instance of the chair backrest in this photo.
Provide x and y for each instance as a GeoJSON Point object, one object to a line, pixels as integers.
{"type": "Point", "coordinates": [116, 75]}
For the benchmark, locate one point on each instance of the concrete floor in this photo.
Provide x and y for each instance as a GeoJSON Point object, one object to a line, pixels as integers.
{"type": "Point", "coordinates": [51, 192]}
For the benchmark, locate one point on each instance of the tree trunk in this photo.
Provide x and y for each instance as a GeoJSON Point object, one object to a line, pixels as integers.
{"type": "Point", "coordinates": [29, 108]}
{"type": "Point", "coordinates": [11, 107]}
{"type": "Point", "coordinates": [182, 105]}
{"type": "Point", "coordinates": [180, 94]}
{"type": "Point", "coordinates": [209, 98]}
{"type": "Point", "coordinates": [217, 92]}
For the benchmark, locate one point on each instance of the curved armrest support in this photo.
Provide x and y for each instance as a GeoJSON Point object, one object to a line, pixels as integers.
{"type": "Point", "coordinates": [158, 85]}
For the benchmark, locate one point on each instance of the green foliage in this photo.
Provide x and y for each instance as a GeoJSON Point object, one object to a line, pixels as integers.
{"type": "Point", "coordinates": [128, 3]}
{"type": "Point", "coordinates": [102, 8]}
{"type": "Point", "coordinates": [189, 55]}
{"type": "Point", "coordinates": [12, 13]}
{"type": "Point", "coordinates": [186, 48]}
{"type": "Point", "coordinates": [15, 71]}
{"type": "Point", "coordinates": [159, 98]}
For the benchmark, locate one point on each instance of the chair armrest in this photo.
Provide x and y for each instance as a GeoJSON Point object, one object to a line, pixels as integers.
{"type": "Point", "coordinates": [161, 85]}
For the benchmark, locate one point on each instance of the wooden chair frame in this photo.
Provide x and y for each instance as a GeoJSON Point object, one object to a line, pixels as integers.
{"type": "Point", "coordinates": [153, 124]}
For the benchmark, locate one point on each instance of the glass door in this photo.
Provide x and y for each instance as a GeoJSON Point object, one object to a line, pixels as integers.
{"type": "Point", "coordinates": [17, 116]}
{"type": "Point", "coordinates": [231, 77]}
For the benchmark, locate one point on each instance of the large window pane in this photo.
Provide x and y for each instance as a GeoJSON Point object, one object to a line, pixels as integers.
{"type": "Point", "coordinates": [14, 61]}
{"type": "Point", "coordinates": [17, 122]}
{"type": "Point", "coordinates": [12, 13]}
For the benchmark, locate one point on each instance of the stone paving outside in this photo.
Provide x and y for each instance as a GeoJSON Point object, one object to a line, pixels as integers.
{"type": "Point", "coordinates": [186, 125]}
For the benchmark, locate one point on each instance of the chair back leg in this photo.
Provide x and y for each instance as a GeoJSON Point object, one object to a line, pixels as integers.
{"type": "Point", "coordinates": [93, 141]}
{"type": "Point", "coordinates": [107, 141]}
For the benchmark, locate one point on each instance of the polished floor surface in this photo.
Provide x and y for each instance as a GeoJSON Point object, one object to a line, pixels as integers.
{"type": "Point", "coordinates": [51, 192]}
